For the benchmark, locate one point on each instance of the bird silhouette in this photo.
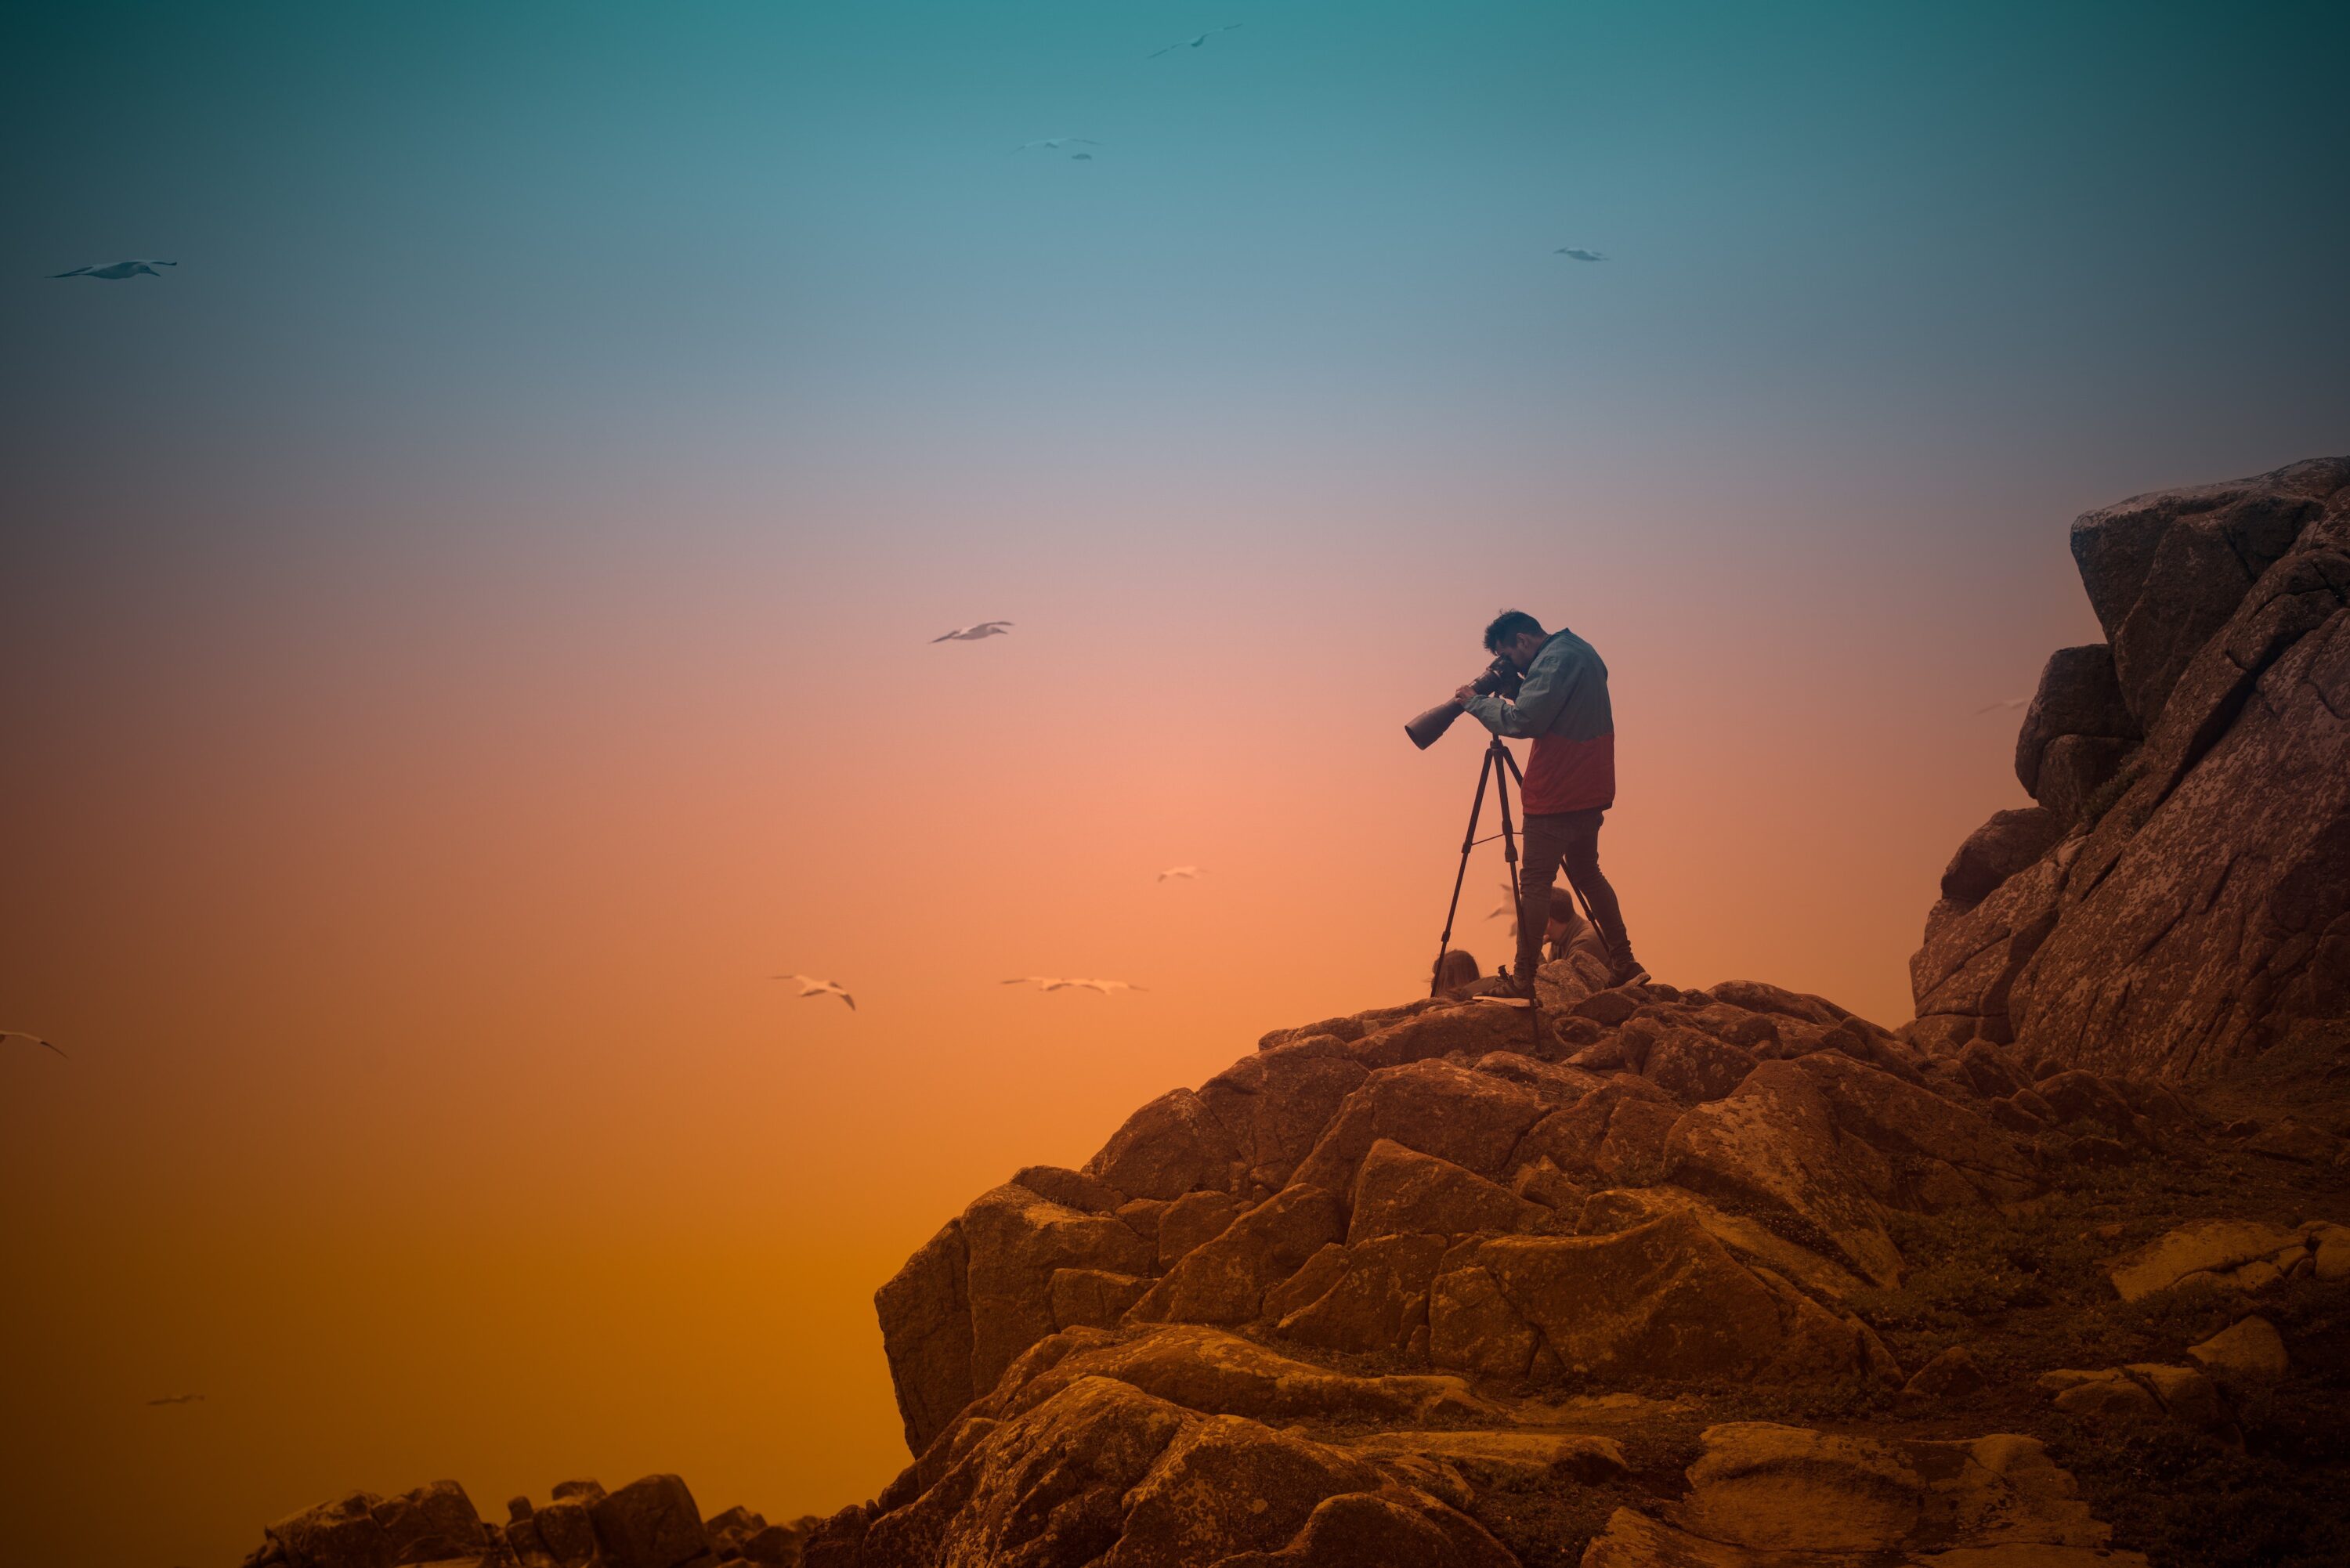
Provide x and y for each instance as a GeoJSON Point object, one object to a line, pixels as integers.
{"type": "Point", "coordinates": [116, 271]}
{"type": "Point", "coordinates": [1192, 43]}
{"type": "Point", "coordinates": [1508, 905]}
{"type": "Point", "coordinates": [811, 986]}
{"type": "Point", "coordinates": [1107, 986]}
{"type": "Point", "coordinates": [1042, 981]}
{"type": "Point", "coordinates": [973, 633]}
{"type": "Point", "coordinates": [1187, 873]}
{"type": "Point", "coordinates": [177, 1400]}
{"type": "Point", "coordinates": [1055, 144]}
{"type": "Point", "coordinates": [1578, 253]}
{"type": "Point", "coordinates": [1995, 707]}
{"type": "Point", "coordinates": [21, 1035]}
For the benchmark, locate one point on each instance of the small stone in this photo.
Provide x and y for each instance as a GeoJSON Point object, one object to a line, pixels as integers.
{"type": "Point", "coordinates": [2252, 1352]}
{"type": "Point", "coordinates": [517, 1510]}
{"type": "Point", "coordinates": [1952, 1374]}
{"type": "Point", "coordinates": [2106, 1393]}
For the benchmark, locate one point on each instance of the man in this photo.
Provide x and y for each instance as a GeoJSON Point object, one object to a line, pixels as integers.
{"type": "Point", "coordinates": [1570, 781]}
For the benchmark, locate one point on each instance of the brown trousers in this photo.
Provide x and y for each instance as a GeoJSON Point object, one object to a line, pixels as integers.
{"type": "Point", "coordinates": [1569, 838]}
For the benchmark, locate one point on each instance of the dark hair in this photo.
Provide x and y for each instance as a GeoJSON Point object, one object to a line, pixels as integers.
{"type": "Point", "coordinates": [1456, 969]}
{"type": "Point", "coordinates": [1508, 627]}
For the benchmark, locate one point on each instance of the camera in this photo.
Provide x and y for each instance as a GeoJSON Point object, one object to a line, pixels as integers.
{"type": "Point", "coordinates": [1499, 679]}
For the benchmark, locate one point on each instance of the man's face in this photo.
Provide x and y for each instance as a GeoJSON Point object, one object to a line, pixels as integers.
{"type": "Point", "coordinates": [1521, 650]}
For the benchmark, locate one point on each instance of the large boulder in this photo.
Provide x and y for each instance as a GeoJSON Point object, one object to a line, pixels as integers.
{"type": "Point", "coordinates": [2193, 903]}
{"type": "Point", "coordinates": [2079, 696]}
{"type": "Point", "coordinates": [1661, 1300]}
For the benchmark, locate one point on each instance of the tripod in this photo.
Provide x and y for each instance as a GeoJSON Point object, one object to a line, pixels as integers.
{"type": "Point", "coordinates": [1500, 767]}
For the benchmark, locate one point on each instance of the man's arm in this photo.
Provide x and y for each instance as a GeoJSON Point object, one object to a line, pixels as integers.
{"type": "Point", "coordinates": [1546, 688]}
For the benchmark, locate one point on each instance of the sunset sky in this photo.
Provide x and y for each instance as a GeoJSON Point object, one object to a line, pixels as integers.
{"type": "Point", "coordinates": [468, 624]}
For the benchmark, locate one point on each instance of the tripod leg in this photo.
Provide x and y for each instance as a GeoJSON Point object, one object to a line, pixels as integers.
{"type": "Point", "coordinates": [1468, 842]}
{"type": "Point", "coordinates": [1517, 885]}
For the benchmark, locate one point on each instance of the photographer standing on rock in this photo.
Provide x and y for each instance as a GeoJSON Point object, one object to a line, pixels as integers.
{"type": "Point", "coordinates": [1570, 781]}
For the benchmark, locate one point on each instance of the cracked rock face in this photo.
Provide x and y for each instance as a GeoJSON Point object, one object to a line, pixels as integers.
{"type": "Point", "coordinates": [2180, 898]}
{"type": "Point", "coordinates": [1393, 1267]}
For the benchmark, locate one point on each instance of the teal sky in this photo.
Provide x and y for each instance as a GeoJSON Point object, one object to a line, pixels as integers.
{"type": "Point", "coordinates": [506, 243]}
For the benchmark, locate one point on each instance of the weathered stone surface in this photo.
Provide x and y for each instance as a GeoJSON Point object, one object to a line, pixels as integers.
{"type": "Point", "coordinates": [2007, 844]}
{"type": "Point", "coordinates": [2201, 1247]}
{"type": "Point", "coordinates": [1510, 1461]}
{"type": "Point", "coordinates": [925, 1313]}
{"type": "Point", "coordinates": [2250, 1352]}
{"type": "Point", "coordinates": [1952, 1374]}
{"type": "Point", "coordinates": [1224, 1281]}
{"type": "Point", "coordinates": [1273, 1106]}
{"type": "Point", "coordinates": [1754, 1244]}
{"type": "Point", "coordinates": [1192, 1220]}
{"type": "Point", "coordinates": [1016, 1241]}
{"type": "Point", "coordinates": [2208, 910]}
{"type": "Point", "coordinates": [1664, 1297]}
{"type": "Point", "coordinates": [1825, 1501]}
{"type": "Point", "coordinates": [1092, 1298]}
{"type": "Point", "coordinates": [1693, 1066]}
{"type": "Point", "coordinates": [1614, 1135]}
{"type": "Point", "coordinates": [1370, 1296]}
{"type": "Point", "coordinates": [2079, 696]}
{"type": "Point", "coordinates": [364, 1531]}
{"type": "Point", "coordinates": [1779, 1487]}
{"type": "Point", "coordinates": [1069, 1189]}
{"type": "Point", "coordinates": [651, 1522]}
{"type": "Point", "coordinates": [1471, 1118]}
{"type": "Point", "coordinates": [1772, 1147]}
{"type": "Point", "coordinates": [1169, 1148]}
{"type": "Point", "coordinates": [1400, 1191]}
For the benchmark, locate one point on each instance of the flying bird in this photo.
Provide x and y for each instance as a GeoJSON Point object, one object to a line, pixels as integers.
{"type": "Point", "coordinates": [1192, 43]}
{"type": "Point", "coordinates": [973, 633]}
{"type": "Point", "coordinates": [811, 986]}
{"type": "Point", "coordinates": [1042, 981]}
{"type": "Point", "coordinates": [1188, 873]}
{"type": "Point", "coordinates": [1508, 905]}
{"type": "Point", "coordinates": [177, 1400]}
{"type": "Point", "coordinates": [115, 271]}
{"type": "Point", "coordinates": [1995, 707]}
{"type": "Point", "coordinates": [1578, 253]}
{"type": "Point", "coordinates": [1055, 144]}
{"type": "Point", "coordinates": [1107, 986]}
{"type": "Point", "coordinates": [20, 1034]}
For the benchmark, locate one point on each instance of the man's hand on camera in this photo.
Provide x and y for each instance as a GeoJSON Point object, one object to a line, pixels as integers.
{"type": "Point", "coordinates": [1464, 695]}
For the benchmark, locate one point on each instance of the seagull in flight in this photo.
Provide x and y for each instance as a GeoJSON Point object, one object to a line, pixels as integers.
{"type": "Point", "coordinates": [1508, 905]}
{"type": "Point", "coordinates": [20, 1034]}
{"type": "Point", "coordinates": [1043, 982]}
{"type": "Point", "coordinates": [1107, 986]}
{"type": "Point", "coordinates": [973, 633]}
{"type": "Point", "coordinates": [1578, 253]}
{"type": "Point", "coordinates": [1995, 707]}
{"type": "Point", "coordinates": [1192, 43]}
{"type": "Point", "coordinates": [177, 1400]}
{"type": "Point", "coordinates": [811, 986]}
{"type": "Point", "coordinates": [1055, 144]}
{"type": "Point", "coordinates": [1188, 873]}
{"type": "Point", "coordinates": [116, 271]}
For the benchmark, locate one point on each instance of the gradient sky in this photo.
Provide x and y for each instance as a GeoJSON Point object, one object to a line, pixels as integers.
{"type": "Point", "coordinates": [467, 625]}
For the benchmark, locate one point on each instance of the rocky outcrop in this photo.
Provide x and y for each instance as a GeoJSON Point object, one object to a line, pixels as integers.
{"type": "Point", "coordinates": [649, 1523]}
{"type": "Point", "coordinates": [1691, 1190]}
{"type": "Point", "coordinates": [1324, 1307]}
{"type": "Point", "coordinates": [2180, 894]}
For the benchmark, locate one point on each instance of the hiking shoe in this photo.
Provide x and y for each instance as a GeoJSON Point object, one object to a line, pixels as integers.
{"type": "Point", "coordinates": [1627, 970]}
